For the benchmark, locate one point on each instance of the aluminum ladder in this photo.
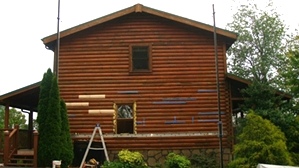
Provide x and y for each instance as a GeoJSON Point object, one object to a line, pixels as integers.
{"type": "Point", "coordinates": [97, 128]}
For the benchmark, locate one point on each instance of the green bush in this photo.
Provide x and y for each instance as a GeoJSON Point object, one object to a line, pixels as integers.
{"type": "Point", "coordinates": [177, 161]}
{"type": "Point", "coordinates": [260, 142]}
{"type": "Point", "coordinates": [127, 159]}
{"type": "Point", "coordinates": [204, 160]}
{"type": "Point", "coordinates": [114, 164]}
{"type": "Point", "coordinates": [131, 159]}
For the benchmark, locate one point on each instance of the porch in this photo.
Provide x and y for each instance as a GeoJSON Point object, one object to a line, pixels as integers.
{"type": "Point", "coordinates": [18, 147]}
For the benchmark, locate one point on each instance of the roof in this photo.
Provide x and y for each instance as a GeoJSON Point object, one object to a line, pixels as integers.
{"type": "Point", "coordinates": [245, 82]}
{"type": "Point", "coordinates": [23, 98]}
{"type": "Point", "coordinates": [134, 9]}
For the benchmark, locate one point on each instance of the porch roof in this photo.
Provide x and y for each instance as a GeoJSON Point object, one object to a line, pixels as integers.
{"type": "Point", "coordinates": [24, 98]}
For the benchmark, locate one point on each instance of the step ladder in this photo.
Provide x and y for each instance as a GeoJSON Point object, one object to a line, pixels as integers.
{"type": "Point", "coordinates": [97, 128]}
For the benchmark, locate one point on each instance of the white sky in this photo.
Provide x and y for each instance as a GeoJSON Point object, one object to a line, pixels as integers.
{"type": "Point", "coordinates": [24, 59]}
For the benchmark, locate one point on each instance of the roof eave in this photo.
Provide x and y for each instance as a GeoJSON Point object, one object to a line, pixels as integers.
{"type": "Point", "coordinates": [18, 91]}
{"type": "Point", "coordinates": [190, 22]}
{"type": "Point", "coordinates": [89, 24]}
{"type": "Point", "coordinates": [139, 8]}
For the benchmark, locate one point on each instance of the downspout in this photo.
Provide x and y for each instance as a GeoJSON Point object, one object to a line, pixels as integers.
{"type": "Point", "coordinates": [30, 127]}
{"type": "Point", "coordinates": [57, 49]}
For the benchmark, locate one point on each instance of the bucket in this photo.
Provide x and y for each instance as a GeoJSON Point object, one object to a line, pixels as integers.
{"type": "Point", "coordinates": [56, 163]}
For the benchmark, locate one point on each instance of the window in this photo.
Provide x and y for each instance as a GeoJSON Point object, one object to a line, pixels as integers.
{"type": "Point", "coordinates": [125, 118]}
{"type": "Point", "coordinates": [140, 58]}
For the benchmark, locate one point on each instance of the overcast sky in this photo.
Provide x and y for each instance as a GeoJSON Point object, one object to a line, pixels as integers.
{"type": "Point", "coordinates": [24, 23]}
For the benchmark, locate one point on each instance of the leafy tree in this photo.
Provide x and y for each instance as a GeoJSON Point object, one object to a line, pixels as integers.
{"type": "Point", "coordinates": [260, 142]}
{"type": "Point", "coordinates": [15, 117]}
{"type": "Point", "coordinates": [67, 154]}
{"type": "Point", "coordinates": [291, 72]}
{"type": "Point", "coordinates": [35, 124]}
{"type": "Point", "coordinates": [257, 53]}
{"type": "Point", "coordinates": [291, 76]}
{"type": "Point", "coordinates": [49, 121]}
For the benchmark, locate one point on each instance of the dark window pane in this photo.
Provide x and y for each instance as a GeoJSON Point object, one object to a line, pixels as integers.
{"type": "Point", "coordinates": [125, 126]}
{"type": "Point", "coordinates": [140, 58]}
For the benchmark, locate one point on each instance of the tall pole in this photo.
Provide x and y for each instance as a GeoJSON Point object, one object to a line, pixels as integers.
{"type": "Point", "coordinates": [56, 62]}
{"type": "Point", "coordinates": [218, 93]}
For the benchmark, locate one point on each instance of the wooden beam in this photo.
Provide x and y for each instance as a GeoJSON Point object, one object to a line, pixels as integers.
{"type": "Point", "coordinates": [35, 146]}
{"type": "Point", "coordinates": [103, 111]}
{"type": "Point", "coordinates": [101, 96]}
{"type": "Point", "coordinates": [77, 104]}
{"type": "Point", "coordinates": [6, 116]}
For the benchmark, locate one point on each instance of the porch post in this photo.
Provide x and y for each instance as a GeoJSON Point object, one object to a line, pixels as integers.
{"type": "Point", "coordinates": [35, 146]}
{"type": "Point", "coordinates": [6, 116]}
{"type": "Point", "coordinates": [6, 147]}
{"type": "Point", "coordinates": [30, 129]}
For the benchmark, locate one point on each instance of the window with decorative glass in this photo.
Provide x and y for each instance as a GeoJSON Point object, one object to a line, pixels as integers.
{"type": "Point", "coordinates": [124, 118]}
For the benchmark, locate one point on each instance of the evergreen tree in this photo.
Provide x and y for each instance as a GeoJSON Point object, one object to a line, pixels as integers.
{"type": "Point", "coordinates": [49, 146]}
{"type": "Point", "coordinates": [43, 105]}
{"type": "Point", "coordinates": [44, 94]}
{"type": "Point", "coordinates": [260, 142]}
{"type": "Point", "coordinates": [67, 154]}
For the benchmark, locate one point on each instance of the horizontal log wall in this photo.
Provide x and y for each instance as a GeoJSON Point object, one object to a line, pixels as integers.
{"type": "Point", "coordinates": [182, 83]}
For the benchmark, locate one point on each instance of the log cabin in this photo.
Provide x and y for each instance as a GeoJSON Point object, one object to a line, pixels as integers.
{"type": "Point", "coordinates": [149, 78]}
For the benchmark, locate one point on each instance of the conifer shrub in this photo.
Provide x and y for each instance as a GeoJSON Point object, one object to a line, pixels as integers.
{"type": "Point", "coordinates": [49, 123]}
{"type": "Point", "coordinates": [54, 141]}
{"type": "Point", "coordinates": [67, 154]}
{"type": "Point", "coordinates": [260, 141]}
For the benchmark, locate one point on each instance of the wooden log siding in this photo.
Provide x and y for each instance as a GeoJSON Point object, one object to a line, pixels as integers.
{"type": "Point", "coordinates": [96, 62]}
